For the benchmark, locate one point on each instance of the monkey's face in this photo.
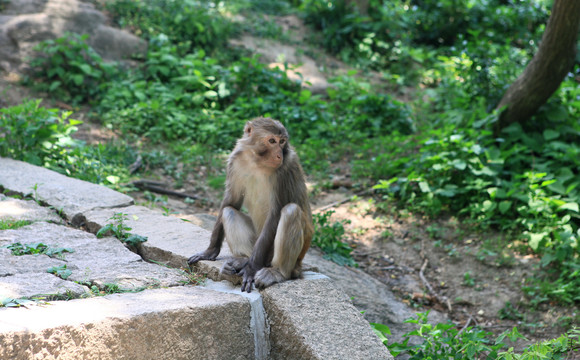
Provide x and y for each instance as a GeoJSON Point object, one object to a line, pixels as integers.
{"type": "Point", "coordinates": [271, 151]}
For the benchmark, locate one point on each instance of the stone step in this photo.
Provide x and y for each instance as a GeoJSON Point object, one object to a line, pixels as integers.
{"type": "Point", "coordinates": [178, 323]}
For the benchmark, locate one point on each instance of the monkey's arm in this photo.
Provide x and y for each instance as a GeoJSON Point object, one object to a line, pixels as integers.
{"type": "Point", "coordinates": [217, 235]}
{"type": "Point", "coordinates": [263, 250]}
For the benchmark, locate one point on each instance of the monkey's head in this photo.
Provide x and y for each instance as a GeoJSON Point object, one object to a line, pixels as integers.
{"type": "Point", "coordinates": [268, 140]}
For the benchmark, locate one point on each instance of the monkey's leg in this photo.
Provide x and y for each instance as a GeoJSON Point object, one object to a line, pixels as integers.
{"type": "Point", "coordinates": [287, 247]}
{"type": "Point", "coordinates": [240, 236]}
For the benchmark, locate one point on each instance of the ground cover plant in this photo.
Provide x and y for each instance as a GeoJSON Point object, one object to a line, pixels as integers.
{"type": "Point", "coordinates": [413, 120]}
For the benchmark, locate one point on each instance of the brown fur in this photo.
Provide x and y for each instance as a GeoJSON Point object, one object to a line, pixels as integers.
{"type": "Point", "coordinates": [265, 176]}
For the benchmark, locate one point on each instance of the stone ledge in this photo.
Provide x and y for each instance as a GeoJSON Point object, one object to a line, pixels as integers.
{"type": "Point", "coordinates": [176, 323]}
{"type": "Point", "coordinates": [312, 319]}
{"type": "Point", "coordinates": [67, 195]}
{"type": "Point", "coordinates": [170, 240]}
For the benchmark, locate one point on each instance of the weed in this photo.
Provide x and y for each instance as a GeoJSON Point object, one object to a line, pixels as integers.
{"type": "Point", "coordinates": [468, 280]}
{"type": "Point", "coordinates": [444, 341]}
{"type": "Point", "coordinates": [60, 271]}
{"type": "Point", "coordinates": [69, 69]}
{"type": "Point", "coordinates": [6, 224]}
{"type": "Point", "coordinates": [329, 239]}
{"type": "Point", "coordinates": [19, 249]}
{"type": "Point", "coordinates": [120, 230]}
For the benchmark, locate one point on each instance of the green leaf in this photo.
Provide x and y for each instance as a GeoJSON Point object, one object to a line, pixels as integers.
{"type": "Point", "coordinates": [424, 187]}
{"type": "Point", "coordinates": [535, 240]}
{"type": "Point", "coordinates": [113, 179]}
{"type": "Point", "coordinates": [504, 206]}
{"type": "Point", "coordinates": [459, 164]}
{"type": "Point", "coordinates": [78, 79]}
{"type": "Point", "coordinates": [85, 68]}
{"type": "Point", "coordinates": [210, 94]}
{"type": "Point", "coordinates": [557, 113]}
{"type": "Point", "coordinates": [550, 134]}
{"type": "Point", "coordinates": [54, 85]}
{"type": "Point", "coordinates": [570, 206]}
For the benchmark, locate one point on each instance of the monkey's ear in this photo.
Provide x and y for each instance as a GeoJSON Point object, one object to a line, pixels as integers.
{"type": "Point", "coordinates": [248, 128]}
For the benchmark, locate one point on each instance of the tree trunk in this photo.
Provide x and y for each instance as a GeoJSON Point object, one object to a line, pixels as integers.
{"type": "Point", "coordinates": [549, 66]}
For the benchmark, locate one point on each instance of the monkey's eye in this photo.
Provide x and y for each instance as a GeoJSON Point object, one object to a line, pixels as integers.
{"type": "Point", "coordinates": [282, 141]}
{"type": "Point", "coordinates": [272, 141]}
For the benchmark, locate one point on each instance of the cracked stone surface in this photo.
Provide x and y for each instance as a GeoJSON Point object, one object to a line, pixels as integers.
{"type": "Point", "coordinates": [173, 324]}
{"type": "Point", "coordinates": [17, 209]}
{"type": "Point", "coordinates": [93, 261]}
{"type": "Point", "coordinates": [67, 195]}
{"type": "Point", "coordinates": [170, 240]}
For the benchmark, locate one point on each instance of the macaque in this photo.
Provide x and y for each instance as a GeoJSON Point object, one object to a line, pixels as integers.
{"type": "Point", "coordinates": [264, 176]}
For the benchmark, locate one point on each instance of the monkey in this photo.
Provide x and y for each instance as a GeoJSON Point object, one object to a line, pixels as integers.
{"type": "Point", "coordinates": [269, 241]}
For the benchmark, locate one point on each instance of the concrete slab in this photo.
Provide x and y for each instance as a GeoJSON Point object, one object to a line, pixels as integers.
{"type": "Point", "coordinates": [93, 261]}
{"type": "Point", "coordinates": [16, 209]}
{"type": "Point", "coordinates": [177, 323]}
{"type": "Point", "coordinates": [30, 285]}
{"type": "Point", "coordinates": [67, 195]}
{"type": "Point", "coordinates": [170, 240]}
{"type": "Point", "coordinates": [311, 319]}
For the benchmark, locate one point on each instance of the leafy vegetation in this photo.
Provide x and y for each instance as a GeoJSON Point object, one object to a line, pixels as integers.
{"type": "Point", "coordinates": [444, 341]}
{"type": "Point", "coordinates": [329, 238]}
{"type": "Point", "coordinates": [120, 230]}
{"type": "Point", "coordinates": [69, 69]}
{"type": "Point", "coordinates": [19, 249]}
{"type": "Point", "coordinates": [6, 224]}
{"type": "Point", "coordinates": [60, 271]}
{"type": "Point", "coordinates": [35, 134]}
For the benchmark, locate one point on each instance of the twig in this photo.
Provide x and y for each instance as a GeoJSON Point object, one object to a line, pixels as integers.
{"type": "Point", "coordinates": [157, 187]}
{"type": "Point", "coordinates": [466, 324]}
{"type": "Point", "coordinates": [440, 299]}
{"type": "Point", "coordinates": [337, 203]}
{"type": "Point", "coordinates": [136, 165]}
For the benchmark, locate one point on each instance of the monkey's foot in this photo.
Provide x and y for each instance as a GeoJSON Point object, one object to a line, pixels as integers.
{"type": "Point", "coordinates": [209, 254]}
{"type": "Point", "coordinates": [268, 276]}
{"type": "Point", "coordinates": [233, 265]}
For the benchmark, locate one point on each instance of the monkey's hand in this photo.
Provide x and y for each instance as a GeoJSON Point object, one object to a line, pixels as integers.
{"type": "Point", "coordinates": [209, 254]}
{"type": "Point", "coordinates": [248, 273]}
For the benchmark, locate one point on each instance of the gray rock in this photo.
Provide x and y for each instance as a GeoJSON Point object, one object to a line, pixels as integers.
{"type": "Point", "coordinates": [68, 195]}
{"type": "Point", "coordinates": [312, 319]}
{"type": "Point", "coordinates": [13, 265]}
{"type": "Point", "coordinates": [172, 324]}
{"type": "Point", "coordinates": [370, 295]}
{"type": "Point", "coordinates": [16, 209]}
{"type": "Point", "coordinates": [115, 44]}
{"type": "Point", "coordinates": [31, 285]}
{"type": "Point", "coordinates": [94, 261]}
{"type": "Point", "coordinates": [24, 7]}
{"type": "Point", "coordinates": [25, 23]}
{"type": "Point", "coordinates": [170, 240]}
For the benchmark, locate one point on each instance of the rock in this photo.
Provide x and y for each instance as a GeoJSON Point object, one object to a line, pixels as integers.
{"type": "Point", "coordinates": [16, 209]}
{"type": "Point", "coordinates": [370, 295]}
{"type": "Point", "coordinates": [204, 221]}
{"type": "Point", "coordinates": [115, 44]}
{"type": "Point", "coordinates": [172, 324]}
{"type": "Point", "coordinates": [24, 24]}
{"type": "Point", "coordinates": [29, 285]}
{"type": "Point", "coordinates": [170, 240]}
{"type": "Point", "coordinates": [93, 261]}
{"type": "Point", "coordinates": [67, 195]}
{"type": "Point", "coordinates": [312, 319]}
{"type": "Point", "coordinates": [23, 7]}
